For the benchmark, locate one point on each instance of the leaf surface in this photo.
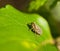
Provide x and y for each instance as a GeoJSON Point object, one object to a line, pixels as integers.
{"type": "Point", "coordinates": [15, 35]}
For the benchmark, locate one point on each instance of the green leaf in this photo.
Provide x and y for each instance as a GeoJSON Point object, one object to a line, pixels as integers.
{"type": "Point", "coordinates": [15, 35]}
{"type": "Point", "coordinates": [56, 12]}
{"type": "Point", "coordinates": [50, 4]}
{"type": "Point", "coordinates": [47, 47]}
{"type": "Point", "coordinates": [36, 4]}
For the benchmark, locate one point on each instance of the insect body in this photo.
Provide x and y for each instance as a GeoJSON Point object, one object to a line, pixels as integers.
{"type": "Point", "coordinates": [35, 28]}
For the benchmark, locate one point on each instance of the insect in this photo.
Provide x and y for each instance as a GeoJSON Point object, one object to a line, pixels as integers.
{"type": "Point", "coordinates": [35, 28]}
